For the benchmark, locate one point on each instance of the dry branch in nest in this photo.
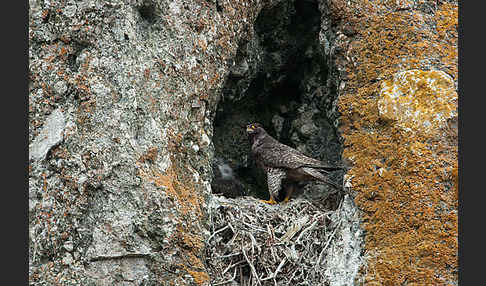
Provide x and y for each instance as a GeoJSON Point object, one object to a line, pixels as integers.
{"type": "Point", "coordinates": [253, 243]}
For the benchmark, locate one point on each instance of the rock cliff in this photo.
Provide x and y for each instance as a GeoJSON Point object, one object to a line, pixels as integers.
{"type": "Point", "coordinates": [135, 115]}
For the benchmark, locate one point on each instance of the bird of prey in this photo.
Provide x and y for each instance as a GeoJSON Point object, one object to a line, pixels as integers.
{"type": "Point", "coordinates": [225, 181]}
{"type": "Point", "coordinates": [282, 163]}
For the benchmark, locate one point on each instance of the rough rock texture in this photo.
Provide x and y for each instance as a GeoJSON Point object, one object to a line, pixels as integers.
{"type": "Point", "coordinates": [121, 100]}
{"type": "Point", "coordinates": [50, 135]}
{"type": "Point", "coordinates": [405, 179]}
{"type": "Point", "coordinates": [128, 99]}
{"type": "Point", "coordinates": [418, 100]}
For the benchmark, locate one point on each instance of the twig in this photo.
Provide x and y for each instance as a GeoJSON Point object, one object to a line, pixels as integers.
{"type": "Point", "coordinates": [228, 255]}
{"type": "Point", "coordinates": [231, 266]}
{"type": "Point", "coordinates": [227, 281]}
{"type": "Point", "coordinates": [241, 275]}
{"type": "Point", "coordinates": [235, 234]}
{"type": "Point", "coordinates": [274, 274]}
{"type": "Point", "coordinates": [253, 271]}
{"type": "Point", "coordinates": [216, 232]}
{"type": "Point", "coordinates": [253, 227]}
{"type": "Point", "coordinates": [292, 277]}
{"type": "Point", "coordinates": [271, 235]}
{"type": "Point", "coordinates": [270, 232]}
{"type": "Point", "coordinates": [253, 243]}
{"type": "Point", "coordinates": [294, 228]}
{"type": "Point", "coordinates": [329, 241]}
{"type": "Point", "coordinates": [306, 230]}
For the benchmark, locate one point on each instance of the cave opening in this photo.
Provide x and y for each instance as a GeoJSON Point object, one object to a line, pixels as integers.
{"type": "Point", "coordinates": [279, 79]}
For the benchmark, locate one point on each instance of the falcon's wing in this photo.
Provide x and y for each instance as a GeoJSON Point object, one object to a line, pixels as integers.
{"type": "Point", "coordinates": [276, 154]}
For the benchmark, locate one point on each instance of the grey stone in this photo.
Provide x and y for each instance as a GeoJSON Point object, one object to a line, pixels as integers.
{"type": "Point", "coordinates": [32, 204]}
{"type": "Point", "coordinates": [50, 135]}
{"type": "Point", "coordinates": [70, 10]}
{"type": "Point", "coordinates": [344, 258]}
{"type": "Point", "coordinates": [60, 87]}
{"type": "Point", "coordinates": [69, 246]}
{"type": "Point", "coordinates": [241, 69]}
{"type": "Point", "coordinates": [308, 129]}
{"type": "Point", "coordinates": [67, 259]}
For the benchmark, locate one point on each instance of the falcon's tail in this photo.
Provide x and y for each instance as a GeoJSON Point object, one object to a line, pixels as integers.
{"type": "Point", "coordinates": [318, 176]}
{"type": "Point", "coordinates": [324, 168]}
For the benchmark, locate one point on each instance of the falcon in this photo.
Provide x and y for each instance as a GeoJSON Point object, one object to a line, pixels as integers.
{"type": "Point", "coordinates": [225, 180]}
{"type": "Point", "coordinates": [282, 163]}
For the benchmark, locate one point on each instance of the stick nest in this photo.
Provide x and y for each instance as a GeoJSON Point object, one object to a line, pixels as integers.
{"type": "Point", "coordinates": [253, 243]}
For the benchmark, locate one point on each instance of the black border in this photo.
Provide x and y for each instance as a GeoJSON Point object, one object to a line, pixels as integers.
{"type": "Point", "coordinates": [470, 217]}
{"type": "Point", "coordinates": [16, 197]}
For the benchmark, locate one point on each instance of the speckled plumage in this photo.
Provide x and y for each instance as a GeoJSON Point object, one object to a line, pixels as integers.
{"type": "Point", "coordinates": [280, 162]}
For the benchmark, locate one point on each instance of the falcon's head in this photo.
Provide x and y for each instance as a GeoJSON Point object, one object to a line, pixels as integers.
{"type": "Point", "coordinates": [255, 130]}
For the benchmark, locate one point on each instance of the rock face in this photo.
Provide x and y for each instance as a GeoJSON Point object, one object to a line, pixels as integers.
{"type": "Point", "coordinates": [397, 66]}
{"type": "Point", "coordinates": [418, 100]}
{"type": "Point", "coordinates": [135, 106]}
{"type": "Point", "coordinates": [50, 136]}
{"type": "Point", "coordinates": [121, 100]}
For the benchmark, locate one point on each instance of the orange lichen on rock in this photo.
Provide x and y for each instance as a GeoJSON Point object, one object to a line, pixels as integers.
{"type": "Point", "coordinates": [200, 277]}
{"type": "Point", "coordinates": [404, 175]}
{"type": "Point", "coordinates": [187, 200]}
{"type": "Point", "coordinates": [150, 155]}
{"type": "Point", "coordinates": [418, 99]}
{"type": "Point", "coordinates": [446, 29]}
{"type": "Point", "coordinates": [192, 246]}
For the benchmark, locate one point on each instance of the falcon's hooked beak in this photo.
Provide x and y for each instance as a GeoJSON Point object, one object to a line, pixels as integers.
{"type": "Point", "coordinates": [250, 128]}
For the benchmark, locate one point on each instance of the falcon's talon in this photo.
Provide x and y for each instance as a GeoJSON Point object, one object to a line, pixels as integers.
{"type": "Point", "coordinates": [271, 201]}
